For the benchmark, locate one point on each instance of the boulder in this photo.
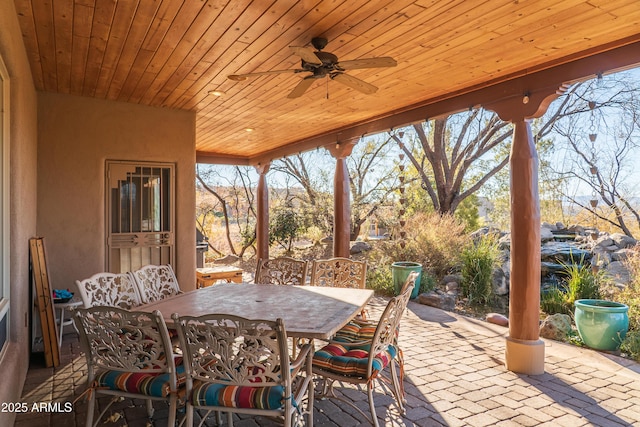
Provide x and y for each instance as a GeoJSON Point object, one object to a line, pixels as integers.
{"type": "Point", "coordinates": [605, 241]}
{"type": "Point", "coordinates": [497, 319]}
{"type": "Point", "coordinates": [622, 254]}
{"type": "Point", "coordinates": [451, 278]}
{"type": "Point", "coordinates": [623, 241]}
{"type": "Point", "coordinates": [556, 327]}
{"type": "Point", "coordinates": [452, 287]}
{"type": "Point", "coordinates": [359, 247]}
{"type": "Point", "coordinates": [500, 282]}
{"type": "Point", "coordinates": [546, 233]}
{"type": "Point", "coordinates": [563, 251]}
{"type": "Point", "coordinates": [617, 271]}
{"type": "Point", "coordinates": [438, 299]}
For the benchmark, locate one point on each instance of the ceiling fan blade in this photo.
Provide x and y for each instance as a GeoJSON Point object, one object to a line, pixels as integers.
{"type": "Point", "coordinates": [241, 77]}
{"type": "Point", "coordinates": [355, 83]}
{"type": "Point", "coordinates": [307, 54]}
{"type": "Point", "coordinates": [301, 88]}
{"type": "Point", "coordinates": [381, 62]}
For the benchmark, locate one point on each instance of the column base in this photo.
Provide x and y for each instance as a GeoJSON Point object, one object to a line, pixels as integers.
{"type": "Point", "coordinates": [524, 357]}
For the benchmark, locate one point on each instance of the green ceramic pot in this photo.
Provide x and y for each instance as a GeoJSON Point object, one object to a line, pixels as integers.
{"type": "Point", "coordinates": [400, 271]}
{"type": "Point", "coordinates": [602, 324]}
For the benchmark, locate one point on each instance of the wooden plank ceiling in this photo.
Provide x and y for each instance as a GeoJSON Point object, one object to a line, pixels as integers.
{"type": "Point", "coordinates": [172, 53]}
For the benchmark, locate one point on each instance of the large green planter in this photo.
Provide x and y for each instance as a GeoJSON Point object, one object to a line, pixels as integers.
{"type": "Point", "coordinates": [602, 324]}
{"type": "Point", "coordinates": [400, 271]}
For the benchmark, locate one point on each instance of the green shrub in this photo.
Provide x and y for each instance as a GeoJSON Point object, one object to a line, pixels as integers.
{"type": "Point", "coordinates": [630, 295]}
{"type": "Point", "coordinates": [433, 240]}
{"type": "Point", "coordinates": [478, 262]}
{"type": "Point", "coordinates": [380, 279]}
{"type": "Point", "coordinates": [579, 281]}
{"type": "Point", "coordinates": [554, 301]}
{"type": "Point", "coordinates": [582, 282]}
{"type": "Point", "coordinates": [631, 345]}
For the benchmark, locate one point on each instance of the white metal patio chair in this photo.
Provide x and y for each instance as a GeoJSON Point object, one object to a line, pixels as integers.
{"type": "Point", "coordinates": [155, 282]}
{"type": "Point", "coordinates": [360, 352]}
{"type": "Point", "coordinates": [128, 354]}
{"type": "Point", "coordinates": [109, 289]}
{"type": "Point", "coordinates": [281, 271]}
{"type": "Point", "coordinates": [236, 365]}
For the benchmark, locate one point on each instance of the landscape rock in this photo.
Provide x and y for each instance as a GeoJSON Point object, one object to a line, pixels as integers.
{"type": "Point", "coordinates": [497, 319]}
{"type": "Point", "coordinates": [545, 232]}
{"type": "Point", "coordinates": [451, 278]}
{"type": "Point", "coordinates": [451, 287]}
{"type": "Point", "coordinates": [623, 241]}
{"type": "Point", "coordinates": [438, 299]}
{"type": "Point", "coordinates": [617, 271]}
{"type": "Point", "coordinates": [500, 282]}
{"type": "Point", "coordinates": [359, 247]}
{"type": "Point", "coordinates": [556, 327]}
{"type": "Point", "coordinates": [622, 254]}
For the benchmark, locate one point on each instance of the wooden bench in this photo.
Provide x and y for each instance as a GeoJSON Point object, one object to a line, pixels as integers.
{"type": "Point", "coordinates": [210, 275]}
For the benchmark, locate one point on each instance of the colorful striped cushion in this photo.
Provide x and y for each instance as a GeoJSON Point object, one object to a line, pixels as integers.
{"type": "Point", "coordinates": [351, 362]}
{"type": "Point", "coordinates": [148, 384]}
{"type": "Point", "coordinates": [208, 394]}
{"type": "Point", "coordinates": [356, 330]}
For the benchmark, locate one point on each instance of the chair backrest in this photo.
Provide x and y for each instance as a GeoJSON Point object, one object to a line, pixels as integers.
{"type": "Point", "coordinates": [388, 328]}
{"type": "Point", "coordinates": [155, 282]}
{"type": "Point", "coordinates": [127, 341]}
{"type": "Point", "coordinates": [231, 350]}
{"type": "Point", "coordinates": [110, 289]}
{"type": "Point", "coordinates": [339, 273]}
{"type": "Point", "coordinates": [281, 271]}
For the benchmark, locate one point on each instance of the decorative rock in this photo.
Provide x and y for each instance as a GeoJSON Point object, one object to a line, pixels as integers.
{"type": "Point", "coordinates": [359, 247]}
{"type": "Point", "coordinates": [623, 241]}
{"type": "Point", "coordinates": [500, 282]}
{"type": "Point", "coordinates": [546, 234]}
{"type": "Point", "coordinates": [622, 254]}
{"type": "Point", "coordinates": [604, 241]}
{"type": "Point", "coordinates": [451, 287]}
{"type": "Point", "coordinates": [438, 299]}
{"type": "Point", "coordinates": [554, 251]}
{"type": "Point", "coordinates": [556, 327]}
{"type": "Point", "coordinates": [617, 271]}
{"type": "Point", "coordinates": [497, 319]}
{"type": "Point", "coordinates": [560, 226]}
{"type": "Point", "coordinates": [451, 278]}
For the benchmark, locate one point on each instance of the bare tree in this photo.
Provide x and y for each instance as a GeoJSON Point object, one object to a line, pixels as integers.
{"type": "Point", "coordinates": [233, 191]}
{"type": "Point", "coordinates": [456, 155]}
{"type": "Point", "coordinates": [601, 149]}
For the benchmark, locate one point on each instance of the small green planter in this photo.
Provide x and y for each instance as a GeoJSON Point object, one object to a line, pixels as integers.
{"type": "Point", "coordinates": [602, 324]}
{"type": "Point", "coordinates": [400, 271]}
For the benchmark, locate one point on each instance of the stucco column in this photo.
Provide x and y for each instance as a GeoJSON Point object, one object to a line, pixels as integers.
{"type": "Point", "coordinates": [524, 351]}
{"type": "Point", "coordinates": [262, 213]}
{"type": "Point", "coordinates": [341, 199]}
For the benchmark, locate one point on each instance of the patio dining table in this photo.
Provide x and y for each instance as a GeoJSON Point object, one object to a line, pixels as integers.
{"type": "Point", "coordinates": [308, 311]}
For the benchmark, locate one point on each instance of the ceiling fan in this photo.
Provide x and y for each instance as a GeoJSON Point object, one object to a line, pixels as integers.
{"type": "Point", "coordinates": [324, 64]}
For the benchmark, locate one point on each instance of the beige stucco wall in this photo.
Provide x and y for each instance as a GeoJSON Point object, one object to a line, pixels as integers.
{"type": "Point", "coordinates": [23, 173]}
{"type": "Point", "coordinates": [76, 135]}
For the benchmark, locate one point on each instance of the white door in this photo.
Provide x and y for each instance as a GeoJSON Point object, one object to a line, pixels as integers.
{"type": "Point", "coordinates": [140, 211]}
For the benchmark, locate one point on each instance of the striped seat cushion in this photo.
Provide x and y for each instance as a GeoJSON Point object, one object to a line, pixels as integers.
{"type": "Point", "coordinates": [351, 362]}
{"type": "Point", "coordinates": [148, 384]}
{"type": "Point", "coordinates": [356, 330]}
{"type": "Point", "coordinates": [213, 394]}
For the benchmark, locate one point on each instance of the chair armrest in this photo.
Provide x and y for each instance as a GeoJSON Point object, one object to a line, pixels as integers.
{"type": "Point", "coordinates": [296, 365]}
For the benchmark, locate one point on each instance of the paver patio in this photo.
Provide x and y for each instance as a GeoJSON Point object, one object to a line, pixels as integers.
{"type": "Point", "coordinates": [455, 376]}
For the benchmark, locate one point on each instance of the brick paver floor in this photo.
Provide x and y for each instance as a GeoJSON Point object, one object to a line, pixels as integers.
{"type": "Point", "coordinates": [455, 376]}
